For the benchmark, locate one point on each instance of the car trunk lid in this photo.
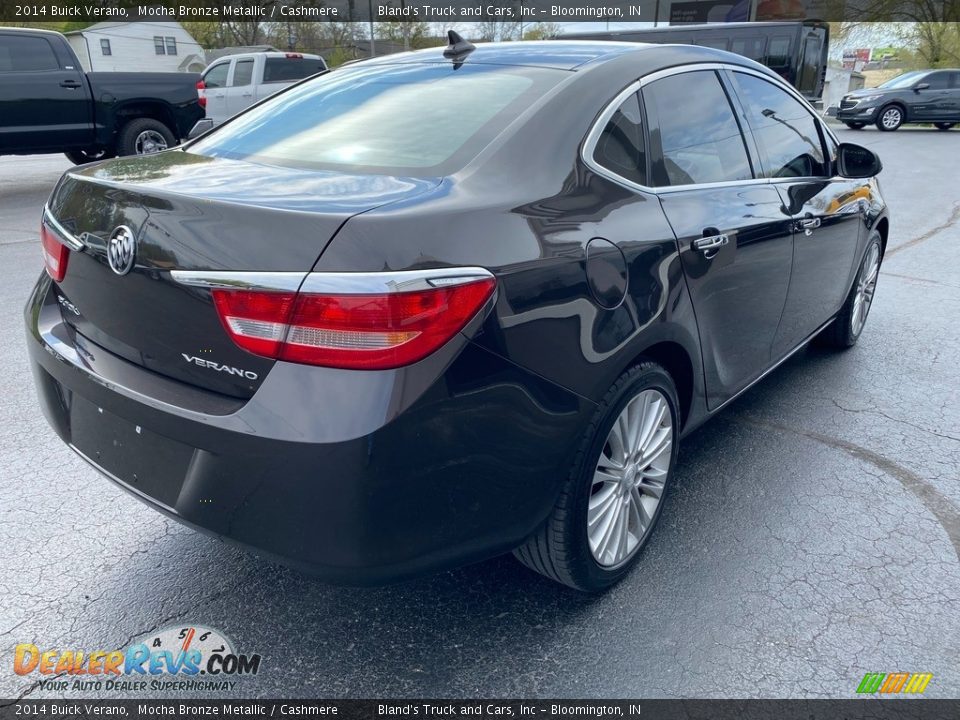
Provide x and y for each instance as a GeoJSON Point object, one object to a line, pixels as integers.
{"type": "Point", "coordinates": [189, 212]}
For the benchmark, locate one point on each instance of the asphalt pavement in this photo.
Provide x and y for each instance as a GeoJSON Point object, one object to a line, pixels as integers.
{"type": "Point", "coordinates": [812, 535]}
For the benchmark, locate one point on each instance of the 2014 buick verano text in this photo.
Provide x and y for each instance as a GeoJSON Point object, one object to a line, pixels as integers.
{"type": "Point", "coordinates": [430, 308]}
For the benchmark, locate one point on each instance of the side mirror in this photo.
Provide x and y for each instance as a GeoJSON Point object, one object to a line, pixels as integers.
{"type": "Point", "coordinates": [855, 161]}
{"type": "Point", "coordinates": [921, 86]}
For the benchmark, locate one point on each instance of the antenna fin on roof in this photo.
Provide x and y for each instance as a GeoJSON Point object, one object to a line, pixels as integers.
{"type": "Point", "coordinates": [458, 47]}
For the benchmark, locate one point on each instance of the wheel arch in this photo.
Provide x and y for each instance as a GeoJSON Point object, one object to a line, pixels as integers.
{"type": "Point", "coordinates": [883, 227]}
{"type": "Point", "coordinates": [900, 104]}
{"type": "Point", "coordinates": [154, 109]}
{"type": "Point", "coordinates": [678, 362]}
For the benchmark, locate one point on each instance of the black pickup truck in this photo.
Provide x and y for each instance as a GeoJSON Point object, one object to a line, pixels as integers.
{"type": "Point", "coordinates": [48, 104]}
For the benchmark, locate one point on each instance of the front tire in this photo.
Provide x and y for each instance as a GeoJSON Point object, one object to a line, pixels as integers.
{"type": "Point", "coordinates": [944, 126]}
{"type": "Point", "coordinates": [856, 125]}
{"type": "Point", "coordinates": [82, 157]}
{"type": "Point", "coordinates": [890, 118]}
{"type": "Point", "coordinates": [144, 136]}
{"type": "Point", "coordinates": [845, 330]}
{"type": "Point", "coordinates": [613, 496]}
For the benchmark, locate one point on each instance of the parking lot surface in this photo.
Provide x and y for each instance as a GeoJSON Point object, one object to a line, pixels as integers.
{"type": "Point", "coordinates": [812, 534]}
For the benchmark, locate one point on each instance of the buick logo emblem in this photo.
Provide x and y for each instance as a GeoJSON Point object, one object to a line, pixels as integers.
{"type": "Point", "coordinates": [121, 250]}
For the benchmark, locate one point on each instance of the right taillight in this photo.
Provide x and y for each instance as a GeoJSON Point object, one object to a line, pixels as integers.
{"type": "Point", "coordinates": [201, 95]}
{"type": "Point", "coordinates": [55, 253]}
{"type": "Point", "coordinates": [368, 331]}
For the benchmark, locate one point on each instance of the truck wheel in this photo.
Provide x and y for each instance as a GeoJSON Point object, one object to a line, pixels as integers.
{"type": "Point", "coordinates": [81, 157]}
{"type": "Point", "coordinates": [144, 136]}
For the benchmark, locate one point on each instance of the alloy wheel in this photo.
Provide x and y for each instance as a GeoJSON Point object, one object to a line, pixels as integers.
{"type": "Point", "coordinates": [630, 478]}
{"type": "Point", "coordinates": [150, 141]}
{"type": "Point", "coordinates": [891, 118]}
{"type": "Point", "coordinates": [866, 286]}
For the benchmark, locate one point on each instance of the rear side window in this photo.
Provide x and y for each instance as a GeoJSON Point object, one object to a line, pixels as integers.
{"type": "Point", "coordinates": [778, 53]}
{"type": "Point", "coordinates": [26, 54]}
{"type": "Point", "coordinates": [751, 47]}
{"type": "Point", "coordinates": [242, 73]}
{"type": "Point", "coordinates": [698, 136]}
{"type": "Point", "coordinates": [216, 76]}
{"type": "Point", "coordinates": [290, 69]}
{"type": "Point", "coordinates": [620, 147]}
{"type": "Point", "coordinates": [400, 119]}
{"type": "Point", "coordinates": [786, 132]}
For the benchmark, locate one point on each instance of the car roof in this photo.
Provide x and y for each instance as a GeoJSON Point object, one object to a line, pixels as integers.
{"type": "Point", "coordinates": [560, 54]}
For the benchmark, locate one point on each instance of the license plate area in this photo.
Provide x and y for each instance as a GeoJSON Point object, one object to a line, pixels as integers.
{"type": "Point", "coordinates": [149, 463]}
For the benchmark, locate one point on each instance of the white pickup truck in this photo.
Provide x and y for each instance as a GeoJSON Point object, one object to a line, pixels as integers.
{"type": "Point", "coordinates": [235, 82]}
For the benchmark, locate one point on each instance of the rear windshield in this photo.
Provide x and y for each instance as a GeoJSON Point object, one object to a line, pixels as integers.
{"type": "Point", "coordinates": [429, 119]}
{"type": "Point", "coordinates": [290, 69]}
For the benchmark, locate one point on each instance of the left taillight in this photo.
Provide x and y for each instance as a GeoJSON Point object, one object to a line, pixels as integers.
{"type": "Point", "coordinates": [55, 253]}
{"type": "Point", "coordinates": [363, 331]}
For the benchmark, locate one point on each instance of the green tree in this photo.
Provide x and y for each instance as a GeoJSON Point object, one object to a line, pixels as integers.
{"type": "Point", "coordinates": [542, 31]}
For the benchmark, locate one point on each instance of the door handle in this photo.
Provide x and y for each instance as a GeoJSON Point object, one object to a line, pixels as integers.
{"type": "Point", "coordinates": [808, 225]}
{"type": "Point", "coordinates": [711, 242]}
{"type": "Point", "coordinates": [247, 95]}
{"type": "Point", "coordinates": [73, 84]}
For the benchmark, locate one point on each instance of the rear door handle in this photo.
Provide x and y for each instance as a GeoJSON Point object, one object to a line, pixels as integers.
{"type": "Point", "coordinates": [70, 84]}
{"type": "Point", "coordinates": [711, 242]}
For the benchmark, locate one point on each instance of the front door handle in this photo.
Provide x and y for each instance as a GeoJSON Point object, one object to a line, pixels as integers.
{"type": "Point", "coordinates": [73, 84]}
{"type": "Point", "coordinates": [711, 242]}
{"type": "Point", "coordinates": [808, 225]}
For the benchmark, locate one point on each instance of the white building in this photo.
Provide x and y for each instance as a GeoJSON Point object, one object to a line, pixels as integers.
{"type": "Point", "coordinates": [137, 47]}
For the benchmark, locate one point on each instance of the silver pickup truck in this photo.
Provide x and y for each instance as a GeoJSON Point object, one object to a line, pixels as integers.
{"type": "Point", "coordinates": [234, 83]}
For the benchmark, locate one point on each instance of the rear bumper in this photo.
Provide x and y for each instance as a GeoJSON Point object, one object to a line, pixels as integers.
{"type": "Point", "coordinates": [357, 477]}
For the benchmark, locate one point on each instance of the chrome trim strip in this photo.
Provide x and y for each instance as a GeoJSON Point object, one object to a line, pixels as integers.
{"type": "Point", "coordinates": [68, 238]}
{"type": "Point", "coordinates": [268, 281]}
{"type": "Point", "coordinates": [589, 144]}
{"type": "Point", "coordinates": [358, 283]}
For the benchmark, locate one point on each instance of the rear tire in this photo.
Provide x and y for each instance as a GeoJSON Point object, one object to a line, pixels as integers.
{"type": "Point", "coordinates": [856, 125]}
{"type": "Point", "coordinates": [890, 118]}
{"type": "Point", "coordinates": [845, 330]}
{"type": "Point", "coordinates": [944, 126]}
{"type": "Point", "coordinates": [642, 404]}
{"type": "Point", "coordinates": [81, 157]}
{"type": "Point", "coordinates": [144, 136]}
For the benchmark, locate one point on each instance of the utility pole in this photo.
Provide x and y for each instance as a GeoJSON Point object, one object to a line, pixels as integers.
{"type": "Point", "coordinates": [373, 41]}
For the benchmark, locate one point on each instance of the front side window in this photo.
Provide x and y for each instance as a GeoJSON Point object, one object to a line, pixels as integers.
{"type": "Point", "coordinates": [937, 80]}
{"type": "Point", "coordinates": [786, 132]}
{"type": "Point", "coordinates": [21, 53]}
{"type": "Point", "coordinates": [620, 147]}
{"type": "Point", "coordinates": [171, 46]}
{"type": "Point", "coordinates": [216, 76]}
{"type": "Point", "coordinates": [693, 124]}
{"type": "Point", "coordinates": [158, 46]}
{"type": "Point", "coordinates": [105, 47]}
{"type": "Point", "coordinates": [412, 119]}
